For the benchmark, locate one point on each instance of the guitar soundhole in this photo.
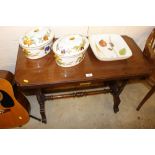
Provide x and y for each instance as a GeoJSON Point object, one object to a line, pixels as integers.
{"type": "Point", "coordinates": [5, 100]}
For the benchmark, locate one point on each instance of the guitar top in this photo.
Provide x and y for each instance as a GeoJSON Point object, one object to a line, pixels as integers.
{"type": "Point", "coordinates": [14, 107]}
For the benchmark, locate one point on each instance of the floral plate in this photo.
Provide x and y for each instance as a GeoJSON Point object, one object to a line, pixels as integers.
{"type": "Point", "coordinates": [109, 47]}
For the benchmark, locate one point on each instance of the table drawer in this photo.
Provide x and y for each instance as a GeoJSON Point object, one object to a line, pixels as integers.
{"type": "Point", "coordinates": [74, 86]}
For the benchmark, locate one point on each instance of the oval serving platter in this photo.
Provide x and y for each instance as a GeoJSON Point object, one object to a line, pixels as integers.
{"type": "Point", "coordinates": [109, 47]}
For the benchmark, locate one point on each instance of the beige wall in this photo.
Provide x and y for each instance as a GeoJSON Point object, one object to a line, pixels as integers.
{"type": "Point", "coordinates": [9, 37]}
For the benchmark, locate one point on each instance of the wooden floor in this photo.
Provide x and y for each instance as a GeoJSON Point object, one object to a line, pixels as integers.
{"type": "Point", "coordinates": [96, 111]}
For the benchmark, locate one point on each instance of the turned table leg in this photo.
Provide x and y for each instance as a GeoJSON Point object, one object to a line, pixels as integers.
{"type": "Point", "coordinates": [117, 101]}
{"type": "Point", "coordinates": [116, 89]}
{"type": "Point", "coordinates": [41, 101]}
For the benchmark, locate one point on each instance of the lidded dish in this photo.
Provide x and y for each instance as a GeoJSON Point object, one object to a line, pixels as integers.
{"type": "Point", "coordinates": [70, 50]}
{"type": "Point", "coordinates": [37, 42]}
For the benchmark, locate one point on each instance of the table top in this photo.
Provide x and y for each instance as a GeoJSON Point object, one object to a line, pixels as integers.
{"type": "Point", "coordinates": [45, 72]}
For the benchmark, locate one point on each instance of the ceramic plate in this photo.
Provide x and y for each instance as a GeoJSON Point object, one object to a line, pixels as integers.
{"type": "Point", "coordinates": [109, 47]}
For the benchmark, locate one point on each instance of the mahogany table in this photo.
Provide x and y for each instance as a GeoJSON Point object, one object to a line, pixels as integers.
{"type": "Point", "coordinates": [43, 75]}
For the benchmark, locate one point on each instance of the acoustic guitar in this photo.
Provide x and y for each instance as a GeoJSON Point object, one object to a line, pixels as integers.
{"type": "Point", "coordinates": [14, 107]}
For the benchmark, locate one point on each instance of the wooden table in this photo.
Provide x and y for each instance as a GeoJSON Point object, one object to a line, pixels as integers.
{"type": "Point", "coordinates": [43, 75]}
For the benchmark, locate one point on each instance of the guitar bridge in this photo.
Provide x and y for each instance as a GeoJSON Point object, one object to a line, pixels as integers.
{"type": "Point", "coordinates": [4, 111]}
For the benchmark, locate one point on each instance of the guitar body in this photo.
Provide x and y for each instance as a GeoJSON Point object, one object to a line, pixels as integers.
{"type": "Point", "coordinates": [14, 107]}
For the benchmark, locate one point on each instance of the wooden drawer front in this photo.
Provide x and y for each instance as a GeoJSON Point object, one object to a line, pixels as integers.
{"type": "Point", "coordinates": [74, 86]}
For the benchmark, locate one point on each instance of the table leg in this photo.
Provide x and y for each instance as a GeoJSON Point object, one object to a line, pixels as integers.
{"type": "Point", "coordinates": [117, 101]}
{"type": "Point", "coordinates": [116, 89]}
{"type": "Point", "coordinates": [41, 101]}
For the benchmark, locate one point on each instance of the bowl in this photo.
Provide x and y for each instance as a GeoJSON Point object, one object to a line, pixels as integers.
{"type": "Point", "coordinates": [37, 43]}
{"type": "Point", "coordinates": [70, 50]}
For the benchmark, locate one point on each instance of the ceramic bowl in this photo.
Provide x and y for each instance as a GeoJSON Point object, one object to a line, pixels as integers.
{"type": "Point", "coordinates": [70, 50]}
{"type": "Point", "coordinates": [37, 43]}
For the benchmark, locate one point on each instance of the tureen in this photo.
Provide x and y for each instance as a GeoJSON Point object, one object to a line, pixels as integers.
{"type": "Point", "coordinates": [70, 50]}
{"type": "Point", "coordinates": [37, 42]}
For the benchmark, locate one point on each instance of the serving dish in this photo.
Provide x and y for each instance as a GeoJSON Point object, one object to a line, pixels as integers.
{"type": "Point", "coordinates": [70, 50]}
{"type": "Point", "coordinates": [37, 42]}
{"type": "Point", "coordinates": [109, 47]}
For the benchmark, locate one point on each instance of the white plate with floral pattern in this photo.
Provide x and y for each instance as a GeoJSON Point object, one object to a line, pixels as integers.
{"type": "Point", "coordinates": [109, 47]}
